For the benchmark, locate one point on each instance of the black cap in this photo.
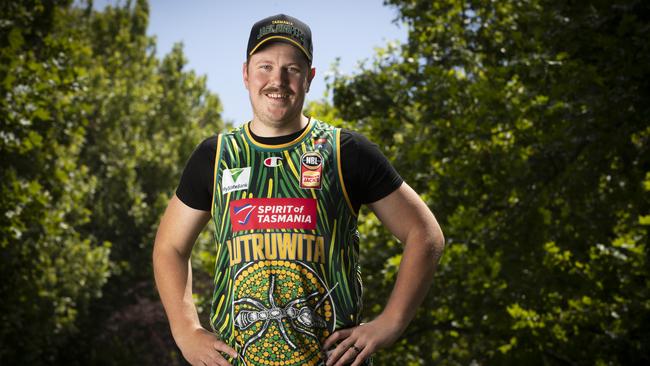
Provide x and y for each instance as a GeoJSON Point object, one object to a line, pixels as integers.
{"type": "Point", "coordinates": [281, 28]}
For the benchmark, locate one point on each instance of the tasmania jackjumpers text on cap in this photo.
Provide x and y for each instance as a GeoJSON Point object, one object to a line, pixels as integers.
{"type": "Point", "coordinates": [282, 28]}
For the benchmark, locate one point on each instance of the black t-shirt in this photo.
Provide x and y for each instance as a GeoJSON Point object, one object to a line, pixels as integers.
{"type": "Point", "coordinates": [367, 174]}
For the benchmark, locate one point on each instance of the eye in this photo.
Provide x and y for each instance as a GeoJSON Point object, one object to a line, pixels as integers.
{"type": "Point", "coordinates": [294, 70]}
{"type": "Point", "coordinates": [266, 67]}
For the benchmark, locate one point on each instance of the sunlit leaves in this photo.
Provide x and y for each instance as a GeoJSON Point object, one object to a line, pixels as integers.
{"type": "Point", "coordinates": [95, 131]}
{"type": "Point", "coordinates": [525, 128]}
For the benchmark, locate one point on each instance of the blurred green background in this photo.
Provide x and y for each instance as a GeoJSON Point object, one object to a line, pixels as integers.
{"type": "Point", "coordinates": [524, 125]}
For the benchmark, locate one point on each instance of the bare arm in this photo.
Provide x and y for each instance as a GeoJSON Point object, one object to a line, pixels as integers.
{"type": "Point", "coordinates": [177, 232]}
{"type": "Point", "coordinates": [410, 220]}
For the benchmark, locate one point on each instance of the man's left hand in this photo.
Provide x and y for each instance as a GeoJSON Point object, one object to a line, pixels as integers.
{"type": "Point", "coordinates": [356, 344]}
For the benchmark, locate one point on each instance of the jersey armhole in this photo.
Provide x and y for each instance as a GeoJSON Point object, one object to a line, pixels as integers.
{"type": "Point", "coordinates": [216, 171]}
{"type": "Point", "coordinates": [340, 172]}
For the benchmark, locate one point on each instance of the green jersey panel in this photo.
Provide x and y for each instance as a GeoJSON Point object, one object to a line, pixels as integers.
{"type": "Point", "coordinates": [287, 272]}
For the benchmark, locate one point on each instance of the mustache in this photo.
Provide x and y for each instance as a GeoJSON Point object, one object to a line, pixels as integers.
{"type": "Point", "coordinates": [276, 90]}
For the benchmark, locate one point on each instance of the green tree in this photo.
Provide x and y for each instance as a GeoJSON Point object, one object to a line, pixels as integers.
{"type": "Point", "coordinates": [50, 269]}
{"type": "Point", "coordinates": [524, 126]}
{"type": "Point", "coordinates": [95, 132]}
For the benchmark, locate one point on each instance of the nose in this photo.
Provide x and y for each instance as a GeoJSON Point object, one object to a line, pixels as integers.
{"type": "Point", "coordinates": [279, 76]}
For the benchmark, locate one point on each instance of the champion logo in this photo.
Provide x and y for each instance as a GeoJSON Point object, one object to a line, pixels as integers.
{"type": "Point", "coordinates": [245, 211]}
{"type": "Point", "coordinates": [273, 161]}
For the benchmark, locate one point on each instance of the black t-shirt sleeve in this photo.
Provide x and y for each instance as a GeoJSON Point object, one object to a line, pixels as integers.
{"type": "Point", "coordinates": [195, 187]}
{"type": "Point", "coordinates": [367, 173]}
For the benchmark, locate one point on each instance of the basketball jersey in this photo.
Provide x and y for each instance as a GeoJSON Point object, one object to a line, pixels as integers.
{"type": "Point", "coordinates": [287, 272]}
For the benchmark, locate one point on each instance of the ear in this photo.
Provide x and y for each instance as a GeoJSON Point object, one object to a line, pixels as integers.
{"type": "Point", "coordinates": [245, 74]}
{"type": "Point", "coordinates": [310, 77]}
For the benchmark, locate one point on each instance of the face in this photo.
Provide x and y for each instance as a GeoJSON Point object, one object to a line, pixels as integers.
{"type": "Point", "coordinates": [277, 78]}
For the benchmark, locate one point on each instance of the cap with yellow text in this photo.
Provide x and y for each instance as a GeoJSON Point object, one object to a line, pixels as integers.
{"type": "Point", "coordinates": [282, 28]}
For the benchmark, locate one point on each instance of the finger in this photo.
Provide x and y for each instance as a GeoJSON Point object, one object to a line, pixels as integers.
{"type": "Point", "coordinates": [365, 353]}
{"type": "Point", "coordinates": [207, 361]}
{"type": "Point", "coordinates": [349, 356]}
{"type": "Point", "coordinates": [336, 336]}
{"type": "Point", "coordinates": [339, 351]}
{"type": "Point", "coordinates": [218, 360]}
{"type": "Point", "coordinates": [225, 348]}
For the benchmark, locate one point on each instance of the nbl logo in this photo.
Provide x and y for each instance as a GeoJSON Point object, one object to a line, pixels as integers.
{"type": "Point", "coordinates": [312, 161]}
{"type": "Point", "coordinates": [311, 169]}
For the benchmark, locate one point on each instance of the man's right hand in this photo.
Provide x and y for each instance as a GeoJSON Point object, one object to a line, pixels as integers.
{"type": "Point", "coordinates": [203, 348]}
{"type": "Point", "coordinates": [177, 232]}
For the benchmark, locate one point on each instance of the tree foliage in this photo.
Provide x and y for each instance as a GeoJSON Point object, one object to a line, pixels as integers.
{"type": "Point", "coordinates": [95, 132]}
{"type": "Point", "coordinates": [524, 125]}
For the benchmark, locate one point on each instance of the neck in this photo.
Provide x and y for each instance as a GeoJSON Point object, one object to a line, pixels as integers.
{"type": "Point", "coordinates": [262, 129]}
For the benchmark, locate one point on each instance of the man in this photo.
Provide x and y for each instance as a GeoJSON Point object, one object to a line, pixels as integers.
{"type": "Point", "coordinates": [284, 191]}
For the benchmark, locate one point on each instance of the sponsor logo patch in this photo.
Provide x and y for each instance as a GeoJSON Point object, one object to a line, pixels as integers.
{"type": "Point", "coordinates": [319, 143]}
{"type": "Point", "coordinates": [273, 161]}
{"type": "Point", "coordinates": [235, 179]}
{"type": "Point", "coordinates": [273, 213]}
{"type": "Point", "coordinates": [311, 170]}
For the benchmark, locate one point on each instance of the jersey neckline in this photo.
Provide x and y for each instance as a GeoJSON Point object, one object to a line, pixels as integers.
{"type": "Point", "coordinates": [250, 139]}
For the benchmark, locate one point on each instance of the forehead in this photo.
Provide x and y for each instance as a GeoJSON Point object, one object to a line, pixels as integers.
{"type": "Point", "coordinates": [279, 51]}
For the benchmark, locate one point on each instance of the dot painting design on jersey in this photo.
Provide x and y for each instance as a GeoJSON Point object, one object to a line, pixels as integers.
{"type": "Point", "coordinates": [296, 312]}
{"type": "Point", "coordinates": [286, 268]}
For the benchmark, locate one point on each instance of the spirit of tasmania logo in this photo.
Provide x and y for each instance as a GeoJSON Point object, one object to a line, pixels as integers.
{"type": "Point", "coordinates": [273, 213]}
